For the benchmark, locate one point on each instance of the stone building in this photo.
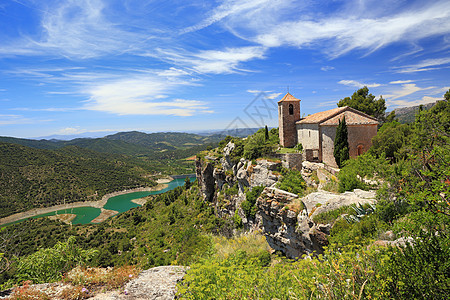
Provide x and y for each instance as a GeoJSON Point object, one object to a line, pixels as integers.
{"type": "Point", "coordinates": [317, 132]}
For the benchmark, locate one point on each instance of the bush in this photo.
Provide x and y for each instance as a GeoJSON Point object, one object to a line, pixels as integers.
{"type": "Point", "coordinates": [47, 265]}
{"type": "Point", "coordinates": [419, 271]}
{"type": "Point", "coordinates": [292, 182]}
{"type": "Point", "coordinates": [248, 206]}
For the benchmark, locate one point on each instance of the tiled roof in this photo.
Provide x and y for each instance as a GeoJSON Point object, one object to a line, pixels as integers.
{"type": "Point", "coordinates": [331, 117]}
{"type": "Point", "coordinates": [288, 97]}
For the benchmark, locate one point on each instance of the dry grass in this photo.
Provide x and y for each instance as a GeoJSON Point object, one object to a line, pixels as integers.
{"type": "Point", "coordinates": [25, 293]}
{"type": "Point", "coordinates": [296, 205]}
{"type": "Point", "coordinates": [252, 243]}
{"type": "Point", "coordinates": [110, 278]}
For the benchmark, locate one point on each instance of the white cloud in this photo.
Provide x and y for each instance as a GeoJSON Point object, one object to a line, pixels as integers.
{"type": "Point", "coordinates": [327, 68]}
{"type": "Point", "coordinates": [423, 100]}
{"type": "Point", "coordinates": [214, 61]}
{"type": "Point", "coordinates": [405, 90]}
{"type": "Point", "coordinates": [74, 29]}
{"type": "Point", "coordinates": [400, 81]}
{"type": "Point", "coordinates": [228, 8]}
{"type": "Point", "coordinates": [337, 32]}
{"type": "Point", "coordinates": [357, 84]}
{"type": "Point", "coordinates": [70, 130]}
{"type": "Point", "coordinates": [425, 65]}
{"type": "Point", "coordinates": [18, 120]}
{"type": "Point", "coordinates": [139, 96]}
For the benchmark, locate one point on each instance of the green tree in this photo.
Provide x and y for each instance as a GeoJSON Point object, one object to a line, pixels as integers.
{"type": "Point", "coordinates": [391, 141]}
{"type": "Point", "coordinates": [266, 133]}
{"type": "Point", "coordinates": [341, 146]}
{"type": "Point", "coordinates": [366, 103]}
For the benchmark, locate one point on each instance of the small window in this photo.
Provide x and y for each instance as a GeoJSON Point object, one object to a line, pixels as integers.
{"type": "Point", "coordinates": [291, 109]}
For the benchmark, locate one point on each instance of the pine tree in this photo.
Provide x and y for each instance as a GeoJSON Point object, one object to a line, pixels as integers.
{"type": "Point", "coordinates": [341, 146]}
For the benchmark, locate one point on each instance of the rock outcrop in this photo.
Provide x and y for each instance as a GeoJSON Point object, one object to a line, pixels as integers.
{"type": "Point", "coordinates": [287, 230]}
{"type": "Point", "coordinates": [287, 220]}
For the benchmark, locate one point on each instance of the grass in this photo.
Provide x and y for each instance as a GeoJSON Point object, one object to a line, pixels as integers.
{"type": "Point", "coordinates": [252, 243]}
{"type": "Point", "coordinates": [328, 217]}
{"type": "Point", "coordinates": [287, 150]}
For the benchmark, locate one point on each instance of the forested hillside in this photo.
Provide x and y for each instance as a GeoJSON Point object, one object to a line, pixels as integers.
{"type": "Point", "coordinates": [33, 178]}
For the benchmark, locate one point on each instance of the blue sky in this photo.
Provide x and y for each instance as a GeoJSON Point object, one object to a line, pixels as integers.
{"type": "Point", "coordinates": [77, 66]}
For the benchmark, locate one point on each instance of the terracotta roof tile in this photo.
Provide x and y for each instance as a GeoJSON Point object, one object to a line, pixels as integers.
{"type": "Point", "coordinates": [351, 118]}
{"type": "Point", "coordinates": [331, 117]}
{"type": "Point", "coordinates": [321, 116]}
{"type": "Point", "coordinates": [288, 97]}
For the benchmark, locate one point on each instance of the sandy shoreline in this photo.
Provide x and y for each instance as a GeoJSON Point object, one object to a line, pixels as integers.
{"type": "Point", "coordinates": [97, 204]}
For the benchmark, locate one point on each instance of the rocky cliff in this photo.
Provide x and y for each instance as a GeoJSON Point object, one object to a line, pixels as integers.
{"type": "Point", "coordinates": [284, 218]}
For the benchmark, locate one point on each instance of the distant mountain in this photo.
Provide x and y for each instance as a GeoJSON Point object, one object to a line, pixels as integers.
{"type": "Point", "coordinates": [163, 140]}
{"type": "Point", "coordinates": [39, 177]}
{"type": "Point", "coordinates": [237, 132]}
{"type": "Point", "coordinates": [408, 114]}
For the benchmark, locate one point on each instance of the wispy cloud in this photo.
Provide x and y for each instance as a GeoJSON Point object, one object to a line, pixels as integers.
{"type": "Point", "coordinates": [358, 84]}
{"type": "Point", "coordinates": [338, 31]}
{"type": "Point", "coordinates": [141, 95]}
{"type": "Point", "coordinates": [213, 61]}
{"type": "Point", "coordinates": [406, 90]}
{"type": "Point", "coordinates": [227, 8]}
{"type": "Point", "coordinates": [425, 65]}
{"type": "Point", "coordinates": [18, 120]}
{"type": "Point", "coordinates": [327, 68]}
{"type": "Point", "coordinates": [400, 81]}
{"type": "Point", "coordinates": [74, 29]}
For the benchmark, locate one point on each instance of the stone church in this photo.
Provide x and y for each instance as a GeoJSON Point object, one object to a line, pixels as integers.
{"type": "Point", "coordinates": [317, 132]}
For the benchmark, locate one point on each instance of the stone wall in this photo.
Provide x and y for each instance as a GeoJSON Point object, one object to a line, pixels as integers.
{"type": "Point", "coordinates": [290, 160]}
{"type": "Point", "coordinates": [358, 135]}
{"type": "Point", "coordinates": [308, 135]}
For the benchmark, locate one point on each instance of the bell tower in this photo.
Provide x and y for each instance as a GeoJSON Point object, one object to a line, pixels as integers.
{"type": "Point", "coordinates": [288, 114]}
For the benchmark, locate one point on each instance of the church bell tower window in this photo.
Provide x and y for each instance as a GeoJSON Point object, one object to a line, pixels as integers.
{"type": "Point", "coordinates": [291, 109]}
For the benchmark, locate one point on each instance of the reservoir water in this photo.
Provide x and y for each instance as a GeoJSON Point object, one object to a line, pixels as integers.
{"type": "Point", "coordinates": [121, 203]}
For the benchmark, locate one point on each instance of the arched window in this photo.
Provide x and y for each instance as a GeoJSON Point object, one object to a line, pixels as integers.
{"type": "Point", "coordinates": [359, 150]}
{"type": "Point", "coordinates": [291, 109]}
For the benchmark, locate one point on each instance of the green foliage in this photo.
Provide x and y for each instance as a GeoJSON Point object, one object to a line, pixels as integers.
{"type": "Point", "coordinates": [292, 181]}
{"type": "Point", "coordinates": [48, 265]}
{"type": "Point", "coordinates": [329, 217]}
{"type": "Point", "coordinates": [355, 170]}
{"type": "Point", "coordinates": [391, 141]}
{"type": "Point", "coordinates": [341, 146]}
{"type": "Point", "coordinates": [299, 147]}
{"type": "Point", "coordinates": [38, 178]}
{"type": "Point", "coordinates": [367, 228]}
{"type": "Point", "coordinates": [237, 220]}
{"type": "Point", "coordinates": [248, 205]}
{"type": "Point", "coordinates": [366, 103]}
{"type": "Point", "coordinates": [260, 144]}
{"type": "Point", "coordinates": [418, 270]}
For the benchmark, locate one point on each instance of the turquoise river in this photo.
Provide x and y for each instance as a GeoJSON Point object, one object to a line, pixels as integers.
{"type": "Point", "coordinates": [121, 203]}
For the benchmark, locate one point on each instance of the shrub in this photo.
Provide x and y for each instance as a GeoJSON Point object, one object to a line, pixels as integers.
{"type": "Point", "coordinates": [419, 271]}
{"type": "Point", "coordinates": [248, 206]}
{"type": "Point", "coordinates": [292, 181]}
{"type": "Point", "coordinates": [47, 265]}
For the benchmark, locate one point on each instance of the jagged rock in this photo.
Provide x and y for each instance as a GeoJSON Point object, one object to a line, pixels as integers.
{"type": "Point", "coordinates": [325, 201]}
{"type": "Point", "coordinates": [285, 230]}
{"type": "Point", "coordinates": [205, 178]}
{"type": "Point", "coordinates": [262, 175]}
{"type": "Point", "coordinates": [227, 164]}
{"type": "Point", "coordinates": [220, 177]}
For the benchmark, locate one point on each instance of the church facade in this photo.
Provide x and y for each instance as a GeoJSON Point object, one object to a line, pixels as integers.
{"type": "Point", "coordinates": [317, 132]}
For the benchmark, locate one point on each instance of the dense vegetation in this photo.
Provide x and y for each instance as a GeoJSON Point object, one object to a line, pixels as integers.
{"type": "Point", "coordinates": [33, 178]}
{"type": "Point", "coordinates": [413, 204]}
